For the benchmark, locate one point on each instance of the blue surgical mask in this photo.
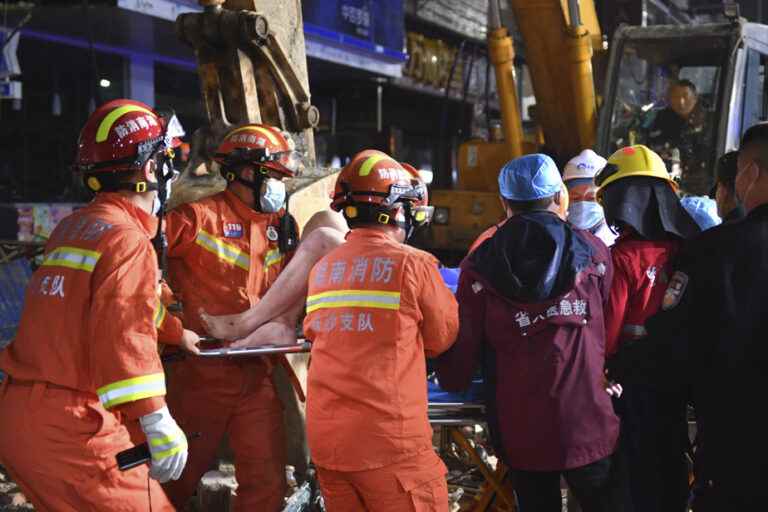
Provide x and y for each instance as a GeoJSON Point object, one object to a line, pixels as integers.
{"type": "Point", "coordinates": [273, 197]}
{"type": "Point", "coordinates": [585, 214]}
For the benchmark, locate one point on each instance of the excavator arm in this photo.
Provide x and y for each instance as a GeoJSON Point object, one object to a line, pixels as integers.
{"type": "Point", "coordinates": [560, 37]}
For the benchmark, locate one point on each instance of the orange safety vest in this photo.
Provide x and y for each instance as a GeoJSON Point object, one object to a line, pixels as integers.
{"type": "Point", "coordinates": [374, 308]}
{"type": "Point", "coordinates": [90, 310]}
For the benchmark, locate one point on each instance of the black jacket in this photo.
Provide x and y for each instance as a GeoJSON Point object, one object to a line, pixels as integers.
{"type": "Point", "coordinates": [711, 340]}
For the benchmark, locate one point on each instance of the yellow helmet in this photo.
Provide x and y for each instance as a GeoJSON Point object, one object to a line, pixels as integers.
{"type": "Point", "coordinates": [635, 160]}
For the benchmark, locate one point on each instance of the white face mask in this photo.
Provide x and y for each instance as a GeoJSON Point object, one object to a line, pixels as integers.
{"type": "Point", "coordinates": [273, 197]}
{"type": "Point", "coordinates": [585, 214]}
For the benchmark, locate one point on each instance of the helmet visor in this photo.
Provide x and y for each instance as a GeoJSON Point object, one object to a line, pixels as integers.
{"type": "Point", "coordinates": [291, 160]}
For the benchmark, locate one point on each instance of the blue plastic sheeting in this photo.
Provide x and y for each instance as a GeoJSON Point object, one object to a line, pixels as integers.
{"type": "Point", "coordinates": [14, 277]}
{"type": "Point", "coordinates": [473, 395]}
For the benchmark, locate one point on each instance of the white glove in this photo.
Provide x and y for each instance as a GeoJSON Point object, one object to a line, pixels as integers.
{"type": "Point", "coordinates": [167, 444]}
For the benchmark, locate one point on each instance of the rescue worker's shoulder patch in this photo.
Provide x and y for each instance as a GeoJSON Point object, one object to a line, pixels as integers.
{"type": "Point", "coordinates": [675, 290]}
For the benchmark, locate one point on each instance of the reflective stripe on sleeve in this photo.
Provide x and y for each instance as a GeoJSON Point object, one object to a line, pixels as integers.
{"type": "Point", "coordinates": [72, 257]}
{"type": "Point", "coordinates": [130, 390]}
{"type": "Point", "coordinates": [354, 299]}
{"type": "Point", "coordinates": [222, 250]}
{"type": "Point", "coordinates": [160, 312]}
{"type": "Point", "coordinates": [273, 257]}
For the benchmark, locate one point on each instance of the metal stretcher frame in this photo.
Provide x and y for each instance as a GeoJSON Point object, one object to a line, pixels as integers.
{"type": "Point", "coordinates": [264, 350]}
{"type": "Point", "coordinates": [449, 416]}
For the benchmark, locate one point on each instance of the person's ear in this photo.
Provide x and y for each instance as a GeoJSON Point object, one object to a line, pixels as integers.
{"type": "Point", "coordinates": [248, 173]}
{"type": "Point", "coordinates": [148, 171]}
{"type": "Point", "coordinates": [505, 207]}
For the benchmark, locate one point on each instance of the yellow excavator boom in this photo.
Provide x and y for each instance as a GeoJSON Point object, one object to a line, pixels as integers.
{"type": "Point", "coordinates": [560, 36]}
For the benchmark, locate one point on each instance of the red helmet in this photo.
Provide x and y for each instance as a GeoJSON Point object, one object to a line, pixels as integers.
{"type": "Point", "coordinates": [374, 181]}
{"type": "Point", "coordinates": [259, 145]}
{"type": "Point", "coordinates": [121, 136]}
{"type": "Point", "coordinates": [111, 138]}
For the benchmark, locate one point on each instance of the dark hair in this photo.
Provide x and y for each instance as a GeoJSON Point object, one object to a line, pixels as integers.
{"type": "Point", "coordinates": [688, 84]}
{"type": "Point", "coordinates": [726, 169]}
{"type": "Point", "coordinates": [757, 135]}
{"type": "Point", "coordinates": [529, 206]}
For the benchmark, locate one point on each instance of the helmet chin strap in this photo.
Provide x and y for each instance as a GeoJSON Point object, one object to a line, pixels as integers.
{"type": "Point", "coordinates": [254, 185]}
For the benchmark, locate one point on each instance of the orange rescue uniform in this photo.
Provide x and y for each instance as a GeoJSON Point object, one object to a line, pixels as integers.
{"type": "Point", "coordinates": [375, 307]}
{"type": "Point", "coordinates": [223, 256]}
{"type": "Point", "coordinates": [84, 364]}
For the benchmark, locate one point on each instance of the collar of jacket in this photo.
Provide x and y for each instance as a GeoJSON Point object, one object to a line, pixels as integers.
{"type": "Point", "coordinates": [368, 234]}
{"type": "Point", "coordinates": [533, 257]}
{"type": "Point", "coordinates": [143, 219]}
{"type": "Point", "coordinates": [243, 211]}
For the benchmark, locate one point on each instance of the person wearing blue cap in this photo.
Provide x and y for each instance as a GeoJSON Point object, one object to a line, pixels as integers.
{"type": "Point", "coordinates": [536, 186]}
{"type": "Point", "coordinates": [531, 300]}
{"type": "Point", "coordinates": [703, 210]}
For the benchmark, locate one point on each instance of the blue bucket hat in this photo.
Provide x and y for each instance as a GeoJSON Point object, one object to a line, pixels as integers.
{"type": "Point", "coordinates": [530, 177]}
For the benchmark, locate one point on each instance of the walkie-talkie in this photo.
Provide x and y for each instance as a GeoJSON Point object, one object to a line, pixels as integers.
{"type": "Point", "coordinates": [139, 454]}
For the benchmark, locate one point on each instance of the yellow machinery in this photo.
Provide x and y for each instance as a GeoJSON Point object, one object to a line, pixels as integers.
{"type": "Point", "coordinates": [559, 36]}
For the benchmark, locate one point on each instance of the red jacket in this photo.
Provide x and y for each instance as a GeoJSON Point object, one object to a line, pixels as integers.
{"type": "Point", "coordinates": [641, 273]}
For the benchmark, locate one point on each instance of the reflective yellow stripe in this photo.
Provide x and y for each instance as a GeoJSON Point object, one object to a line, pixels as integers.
{"type": "Point", "coordinates": [167, 453]}
{"type": "Point", "coordinates": [159, 441]}
{"type": "Point", "coordinates": [72, 257]}
{"type": "Point", "coordinates": [372, 160]}
{"type": "Point", "coordinates": [159, 317]}
{"type": "Point", "coordinates": [130, 390]}
{"type": "Point", "coordinates": [354, 299]}
{"type": "Point", "coordinates": [224, 251]}
{"type": "Point", "coordinates": [273, 257]}
{"type": "Point", "coordinates": [267, 133]}
{"type": "Point", "coordinates": [106, 124]}
{"type": "Point", "coordinates": [168, 445]}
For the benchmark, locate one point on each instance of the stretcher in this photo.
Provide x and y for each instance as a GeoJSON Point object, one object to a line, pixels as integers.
{"type": "Point", "coordinates": [452, 411]}
{"type": "Point", "coordinates": [223, 351]}
{"type": "Point", "coordinates": [263, 350]}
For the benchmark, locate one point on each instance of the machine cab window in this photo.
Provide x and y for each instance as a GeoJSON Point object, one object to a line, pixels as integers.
{"type": "Point", "coordinates": [668, 97]}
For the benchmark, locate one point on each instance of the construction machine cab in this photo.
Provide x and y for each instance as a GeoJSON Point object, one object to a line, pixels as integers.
{"type": "Point", "coordinates": [719, 68]}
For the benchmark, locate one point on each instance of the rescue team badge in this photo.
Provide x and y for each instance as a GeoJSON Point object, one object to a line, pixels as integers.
{"type": "Point", "coordinates": [233, 230]}
{"type": "Point", "coordinates": [675, 291]}
{"type": "Point", "coordinates": [272, 234]}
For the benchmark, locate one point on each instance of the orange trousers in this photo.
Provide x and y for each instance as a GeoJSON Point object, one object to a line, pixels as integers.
{"type": "Point", "coordinates": [416, 484]}
{"type": "Point", "coordinates": [237, 398]}
{"type": "Point", "coordinates": [59, 446]}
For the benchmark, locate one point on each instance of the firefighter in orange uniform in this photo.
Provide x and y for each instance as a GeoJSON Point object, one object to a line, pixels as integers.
{"type": "Point", "coordinates": [84, 365]}
{"type": "Point", "coordinates": [375, 307]}
{"type": "Point", "coordinates": [224, 252]}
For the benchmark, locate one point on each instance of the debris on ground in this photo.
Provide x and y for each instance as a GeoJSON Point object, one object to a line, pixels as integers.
{"type": "Point", "coordinates": [11, 498]}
